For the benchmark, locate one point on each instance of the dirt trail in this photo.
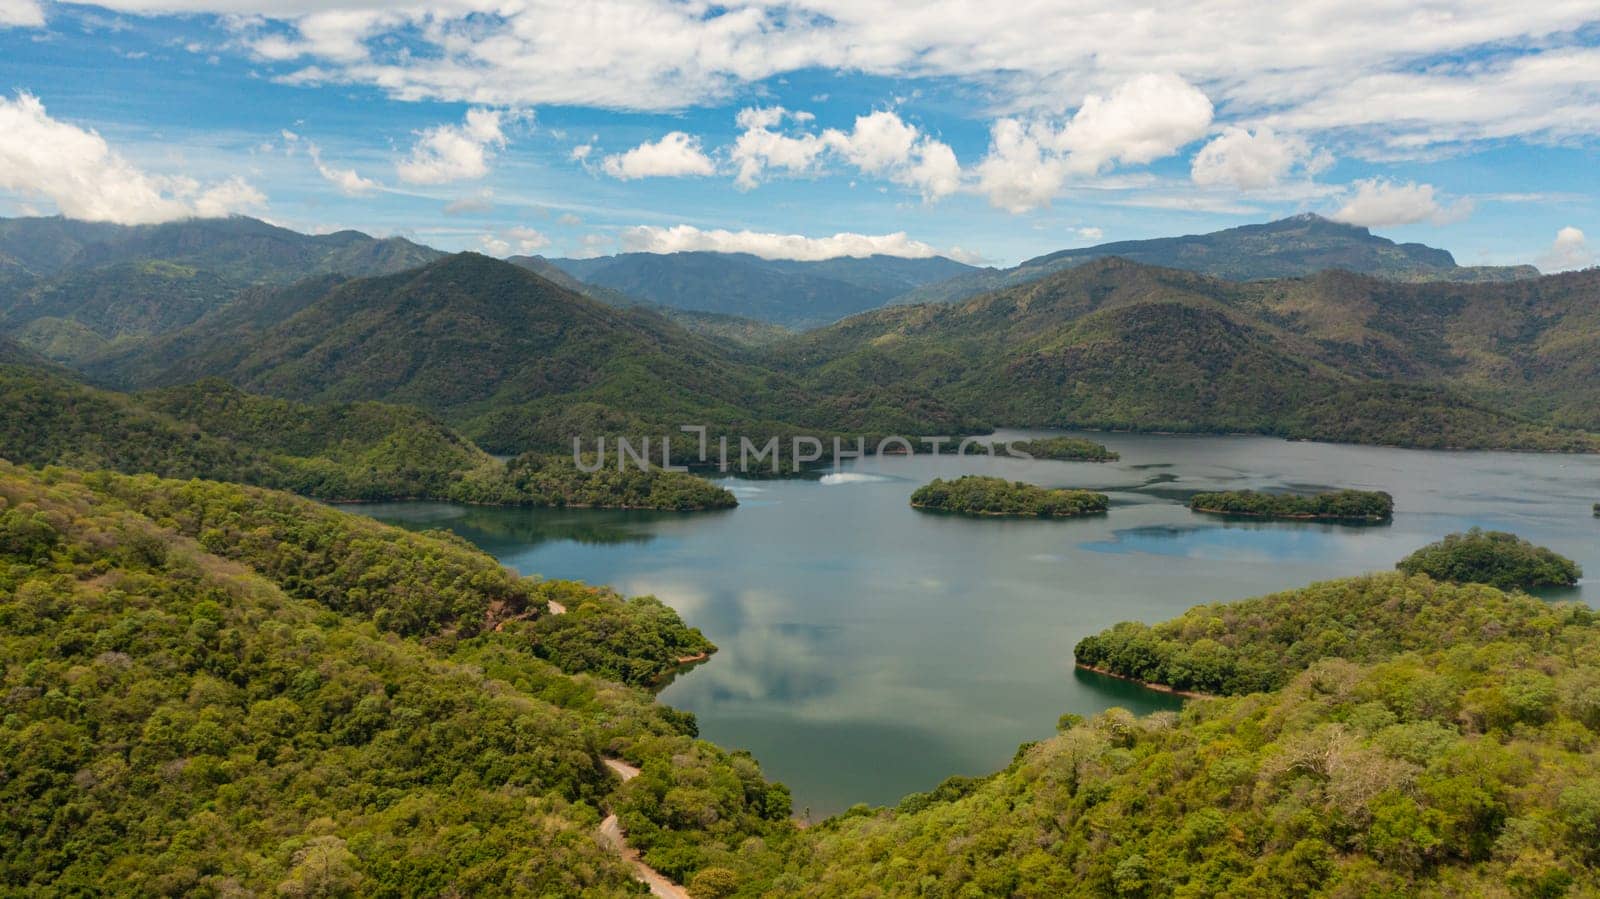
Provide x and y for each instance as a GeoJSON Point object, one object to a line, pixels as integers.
{"type": "Point", "coordinates": [611, 834]}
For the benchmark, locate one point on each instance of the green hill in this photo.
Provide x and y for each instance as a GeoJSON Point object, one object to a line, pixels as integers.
{"type": "Point", "coordinates": [514, 360]}
{"type": "Point", "coordinates": [356, 451]}
{"type": "Point", "coordinates": [77, 290]}
{"type": "Point", "coordinates": [1287, 248]}
{"type": "Point", "coordinates": [233, 691]}
{"type": "Point", "coordinates": [1114, 344]}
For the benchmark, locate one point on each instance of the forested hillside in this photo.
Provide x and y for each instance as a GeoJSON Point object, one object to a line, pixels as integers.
{"type": "Point", "coordinates": [78, 290]}
{"type": "Point", "coordinates": [213, 689]}
{"type": "Point", "coordinates": [1335, 356]}
{"type": "Point", "coordinates": [356, 451]}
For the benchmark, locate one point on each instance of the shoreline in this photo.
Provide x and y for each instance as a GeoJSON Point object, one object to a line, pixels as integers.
{"type": "Point", "coordinates": [1159, 688]}
{"type": "Point", "coordinates": [1309, 516]}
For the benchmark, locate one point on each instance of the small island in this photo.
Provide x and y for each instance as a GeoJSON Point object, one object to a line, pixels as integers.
{"type": "Point", "coordinates": [1495, 558]}
{"type": "Point", "coordinates": [1338, 505]}
{"type": "Point", "coordinates": [1062, 449]}
{"type": "Point", "coordinates": [986, 496]}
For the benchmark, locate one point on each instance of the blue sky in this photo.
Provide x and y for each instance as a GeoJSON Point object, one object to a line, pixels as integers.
{"type": "Point", "coordinates": [988, 132]}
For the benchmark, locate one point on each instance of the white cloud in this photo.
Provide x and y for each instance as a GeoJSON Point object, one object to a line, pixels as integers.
{"type": "Point", "coordinates": [760, 148]}
{"type": "Point", "coordinates": [347, 181]}
{"type": "Point", "coordinates": [676, 155]}
{"type": "Point", "coordinates": [44, 158]}
{"type": "Point", "coordinates": [21, 14]}
{"type": "Point", "coordinates": [1142, 120]}
{"type": "Point", "coordinates": [519, 240]}
{"type": "Point", "coordinates": [454, 152]}
{"type": "Point", "coordinates": [1019, 173]}
{"type": "Point", "coordinates": [580, 152]}
{"type": "Point", "coordinates": [1252, 160]}
{"type": "Point", "coordinates": [684, 238]}
{"type": "Point", "coordinates": [1088, 233]}
{"type": "Point", "coordinates": [1378, 202]}
{"type": "Point", "coordinates": [879, 144]}
{"type": "Point", "coordinates": [1570, 250]}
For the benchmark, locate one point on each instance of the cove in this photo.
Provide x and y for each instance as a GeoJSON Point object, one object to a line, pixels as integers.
{"type": "Point", "coordinates": [869, 651]}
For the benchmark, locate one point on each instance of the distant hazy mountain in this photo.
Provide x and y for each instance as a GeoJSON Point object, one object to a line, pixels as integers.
{"type": "Point", "coordinates": [73, 289]}
{"type": "Point", "coordinates": [785, 292]}
{"type": "Point", "coordinates": [1291, 247]}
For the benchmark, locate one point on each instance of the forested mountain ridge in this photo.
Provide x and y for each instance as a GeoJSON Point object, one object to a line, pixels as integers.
{"type": "Point", "coordinates": [510, 358]}
{"type": "Point", "coordinates": [791, 293]}
{"type": "Point", "coordinates": [1334, 356]}
{"type": "Point", "coordinates": [1293, 247]}
{"type": "Point", "coordinates": [76, 290]}
{"type": "Point", "coordinates": [352, 451]}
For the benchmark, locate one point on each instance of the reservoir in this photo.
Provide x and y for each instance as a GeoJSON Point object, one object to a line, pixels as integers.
{"type": "Point", "coordinates": [868, 650]}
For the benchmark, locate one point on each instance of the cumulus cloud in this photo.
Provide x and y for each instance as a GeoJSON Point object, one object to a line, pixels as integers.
{"type": "Point", "coordinates": [1253, 160]}
{"type": "Point", "coordinates": [44, 158]}
{"type": "Point", "coordinates": [347, 181]}
{"type": "Point", "coordinates": [449, 153]}
{"type": "Point", "coordinates": [1570, 250]}
{"type": "Point", "coordinates": [759, 147]}
{"type": "Point", "coordinates": [880, 144]}
{"type": "Point", "coordinates": [1142, 120]}
{"type": "Point", "coordinates": [685, 238]}
{"type": "Point", "coordinates": [1088, 233]}
{"type": "Point", "coordinates": [21, 14]}
{"type": "Point", "coordinates": [675, 155]}
{"type": "Point", "coordinates": [1378, 202]}
{"type": "Point", "coordinates": [519, 240]}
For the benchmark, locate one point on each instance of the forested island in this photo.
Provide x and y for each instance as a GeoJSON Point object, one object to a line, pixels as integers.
{"type": "Point", "coordinates": [1065, 449]}
{"type": "Point", "coordinates": [1492, 557]}
{"type": "Point", "coordinates": [988, 496]}
{"type": "Point", "coordinates": [1339, 505]}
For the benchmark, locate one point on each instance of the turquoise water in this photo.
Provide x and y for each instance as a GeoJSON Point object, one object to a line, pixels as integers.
{"type": "Point", "coordinates": [869, 650]}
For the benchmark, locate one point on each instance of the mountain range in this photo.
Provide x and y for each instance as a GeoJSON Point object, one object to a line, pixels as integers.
{"type": "Point", "coordinates": [1292, 247]}
{"type": "Point", "coordinates": [518, 360]}
{"type": "Point", "coordinates": [73, 290]}
{"type": "Point", "coordinates": [795, 294]}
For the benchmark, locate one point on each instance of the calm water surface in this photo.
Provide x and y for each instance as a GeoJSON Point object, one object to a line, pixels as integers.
{"type": "Point", "coordinates": [869, 650]}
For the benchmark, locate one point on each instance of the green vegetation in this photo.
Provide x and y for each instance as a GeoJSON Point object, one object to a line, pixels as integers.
{"type": "Point", "coordinates": [1339, 505]}
{"type": "Point", "coordinates": [1113, 345]}
{"type": "Point", "coordinates": [1452, 757]}
{"type": "Point", "coordinates": [1496, 558]}
{"type": "Point", "coordinates": [1070, 449]}
{"type": "Point", "coordinates": [217, 689]}
{"type": "Point", "coordinates": [637, 641]}
{"type": "Point", "coordinates": [978, 495]}
{"type": "Point", "coordinates": [360, 451]}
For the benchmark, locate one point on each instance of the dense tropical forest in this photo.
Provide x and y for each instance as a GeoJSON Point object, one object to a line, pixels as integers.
{"type": "Point", "coordinates": [1336, 505]}
{"type": "Point", "coordinates": [223, 689]}
{"type": "Point", "coordinates": [1492, 557]}
{"type": "Point", "coordinates": [986, 496]}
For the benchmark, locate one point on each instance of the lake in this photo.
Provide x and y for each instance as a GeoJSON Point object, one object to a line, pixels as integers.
{"type": "Point", "coordinates": [869, 650]}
